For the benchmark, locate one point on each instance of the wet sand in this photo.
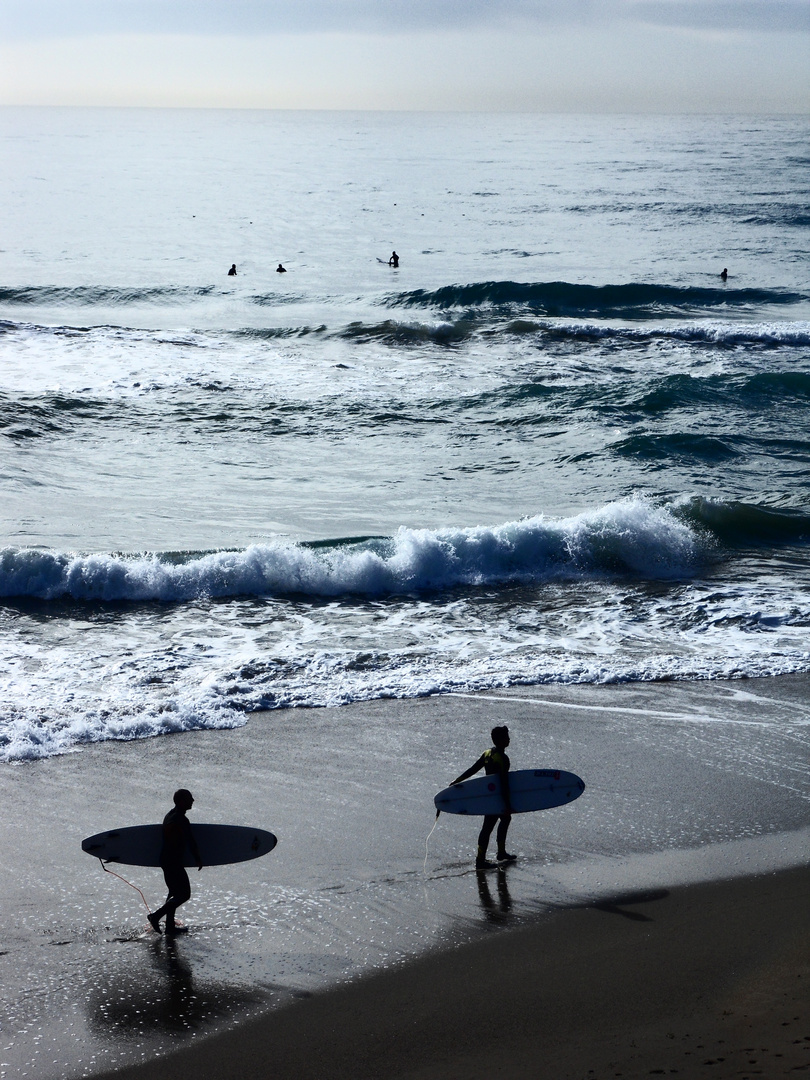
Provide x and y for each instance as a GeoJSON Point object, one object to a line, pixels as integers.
{"type": "Point", "coordinates": [347, 926]}
{"type": "Point", "coordinates": [706, 981]}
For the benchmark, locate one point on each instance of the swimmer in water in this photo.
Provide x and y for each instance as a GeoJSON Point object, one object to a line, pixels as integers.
{"type": "Point", "coordinates": [724, 275]}
{"type": "Point", "coordinates": [394, 260]}
{"type": "Point", "coordinates": [280, 269]}
{"type": "Point", "coordinates": [232, 271]}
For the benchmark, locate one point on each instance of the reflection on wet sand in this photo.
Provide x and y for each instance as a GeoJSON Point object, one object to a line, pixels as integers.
{"type": "Point", "coordinates": [163, 998]}
{"type": "Point", "coordinates": [495, 910]}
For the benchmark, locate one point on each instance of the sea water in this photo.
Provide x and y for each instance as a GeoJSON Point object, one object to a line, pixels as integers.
{"type": "Point", "coordinates": [548, 461]}
{"type": "Point", "coordinates": [552, 445]}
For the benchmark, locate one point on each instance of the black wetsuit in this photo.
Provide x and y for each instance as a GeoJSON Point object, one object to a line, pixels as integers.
{"type": "Point", "coordinates": [176, 837]}
{"type": "Point", "coordinates": [495, 762]}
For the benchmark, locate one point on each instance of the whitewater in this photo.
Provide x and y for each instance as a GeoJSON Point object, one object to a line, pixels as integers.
{"type": "Point", "coordinates": [553, 445]}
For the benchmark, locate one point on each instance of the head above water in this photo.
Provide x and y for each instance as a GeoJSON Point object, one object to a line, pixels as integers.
{"type": "Point", "coordinates": [183, 799]}
{"type": "Point", "coordinates": [500, 736]}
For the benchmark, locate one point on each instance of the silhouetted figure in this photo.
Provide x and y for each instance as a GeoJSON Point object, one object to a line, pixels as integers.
{"type": "Point", "coordinates": [232, 271]}
{"type": "Point", "coordinates": [280, 269]}
{"type": "Point", "coordinates": [177, 835]}
{"type": "Point", "coordinates": [394, 260]}
{"type": "Point", "coordinates": [494, 762]}
{"type": "Point", "coordinates": [724, 275]}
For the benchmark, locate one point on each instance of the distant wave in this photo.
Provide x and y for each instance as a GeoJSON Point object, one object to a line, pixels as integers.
{"type": "Point", "coordinates": [90, 295]}
{"type": "Point", "coordinates": [795, 333]}
{"type": "Point", "coordinates": [557, 299]}
{"type": "Point", "coordinates": [629, 538]}
{"type": "Point", "coordinates": [456, 331]}
{"type": "Point", "coordinates": [445, 331]}
{"type": "Point", "coordinates": [674, 446]}
{"type": "Point", "coordinates": [392, 332]}
{"type": "Point", "coordinates": [562, 298]}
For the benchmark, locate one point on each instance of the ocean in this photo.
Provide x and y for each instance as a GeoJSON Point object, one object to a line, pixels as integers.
{"type": "Point", "coordinates": [296, 541]}
{"type": "Point", "coordinates": [551, 446]}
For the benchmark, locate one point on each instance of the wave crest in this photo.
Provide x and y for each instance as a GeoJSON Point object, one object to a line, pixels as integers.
{"type": "Point", "coordinates": [629, 538]}
{"type": "Point", "coordinates": [562, 298]}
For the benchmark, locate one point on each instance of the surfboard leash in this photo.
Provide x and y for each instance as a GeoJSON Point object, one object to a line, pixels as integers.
{"type": "Point", "coordinates": [120, 878]}
{"type": "Point", "coordinates": [435, 823]}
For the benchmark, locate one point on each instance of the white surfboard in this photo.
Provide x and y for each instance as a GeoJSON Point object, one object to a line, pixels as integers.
{"type": "Point", "coordinates": [141, 845]}
{"type": "Point", "coordinates": [529, 789]}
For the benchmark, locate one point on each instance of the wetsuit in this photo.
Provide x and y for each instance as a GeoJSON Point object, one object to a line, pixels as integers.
{"type": "Point", "coordinates": [495, 762]}
{"type": "Point", "coordinates": [176, 836]}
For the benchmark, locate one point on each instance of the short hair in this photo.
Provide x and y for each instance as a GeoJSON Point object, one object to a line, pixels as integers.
{"type": "Point", "coordinates": [182, 794]}
{"type": "Point", "coordinates": [498, 733]}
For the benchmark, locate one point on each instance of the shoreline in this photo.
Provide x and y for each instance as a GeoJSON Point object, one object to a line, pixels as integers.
{"type": "Point", "coordinates": [686, 784]}
{"type": "Point", "coordinates": [692, 981]}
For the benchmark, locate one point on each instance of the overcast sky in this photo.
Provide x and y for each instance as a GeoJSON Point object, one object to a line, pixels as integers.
{"type": "Point", "coordinates": [546, 55]}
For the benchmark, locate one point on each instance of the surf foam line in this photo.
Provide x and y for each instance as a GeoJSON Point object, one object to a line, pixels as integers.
{"type": "Point", "coordinates": [794, 333]}
{"type": "Point", "coordinates": [632, 300]}
{"type": "Point", "coordinates": [631, 538]}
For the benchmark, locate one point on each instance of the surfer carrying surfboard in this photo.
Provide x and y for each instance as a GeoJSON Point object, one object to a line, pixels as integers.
{"type": "Point", "coordinates": [494, 762]}
{"type": "Point", "coordinates": [177, 835]}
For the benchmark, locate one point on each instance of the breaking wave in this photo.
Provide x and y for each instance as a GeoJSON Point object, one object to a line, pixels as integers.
{"type": "Point", "coordinates": [629, 538]}
{"type": "Point", "coordinates": [562, 298]}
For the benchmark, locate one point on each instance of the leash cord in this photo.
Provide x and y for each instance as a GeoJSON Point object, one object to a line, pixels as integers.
{"type": "Point", "coordinates": [435, 823]}
{"type": "Point", "coordinates": [120, 878]}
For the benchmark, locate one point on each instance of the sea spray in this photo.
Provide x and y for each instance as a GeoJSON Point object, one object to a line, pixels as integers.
{"type": "Point", "coordinates": [628, 538]}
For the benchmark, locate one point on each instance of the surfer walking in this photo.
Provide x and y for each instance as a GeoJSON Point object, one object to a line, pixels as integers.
{"type": "Point", "coordinates": [494, 762]}
{"type": "Point", "coordinates": [394, 260]}
{"type": "Point", "coordinates": [177, 835]}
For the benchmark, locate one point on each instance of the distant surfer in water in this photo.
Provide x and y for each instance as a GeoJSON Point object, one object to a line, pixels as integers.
{"type": "Point", "coordinates": [494, 762]}
{"type": "Point", "coordinates": [394, 260]}
{"type": "Point", "coordinates": [724, 275]}
{"type": "Point", "coordinates": [177, 835]}
{"type": "Point", "coordinates": [232, 271]}
{"type": "Point", "coordinates": [280, 269]}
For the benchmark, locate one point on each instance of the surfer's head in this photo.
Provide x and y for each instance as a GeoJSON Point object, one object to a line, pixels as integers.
{"type": "Point", "coordinates": [500, 736]}
{"type": "Point", "coordinates": [183, 799]}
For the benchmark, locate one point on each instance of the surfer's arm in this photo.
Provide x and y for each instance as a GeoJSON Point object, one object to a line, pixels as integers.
{"type": "Point", "coordinates": [473, 769]}
{"type": "Point", "coordinates": [192, 843]}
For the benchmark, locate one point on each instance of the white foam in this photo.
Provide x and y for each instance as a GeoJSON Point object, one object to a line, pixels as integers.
{"type": "Point", "coordinates": [793, 333]}
{"type": "Point", "coordinates": [631, 537]}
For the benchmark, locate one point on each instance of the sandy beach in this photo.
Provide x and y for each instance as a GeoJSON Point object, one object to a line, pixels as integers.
{"type": "Point", "coordinates": [663, 911]}
{"type": "Point", "coordinates": [707, 981]}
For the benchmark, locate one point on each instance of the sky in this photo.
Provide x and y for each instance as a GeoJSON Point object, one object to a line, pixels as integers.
{"type": "Point", "coordinates": [750, 56]}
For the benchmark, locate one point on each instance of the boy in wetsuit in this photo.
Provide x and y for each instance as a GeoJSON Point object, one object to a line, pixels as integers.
{"type": "Point", "coordinates": [494, 762]}
{"type": "Point", "coordinates": [177, 835]}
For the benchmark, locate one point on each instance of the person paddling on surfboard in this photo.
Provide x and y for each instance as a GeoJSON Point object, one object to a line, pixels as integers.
{"type": "Point", "coordinates": [177, 835]}
{"type": "Point", "coordinates": [494, 762]}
